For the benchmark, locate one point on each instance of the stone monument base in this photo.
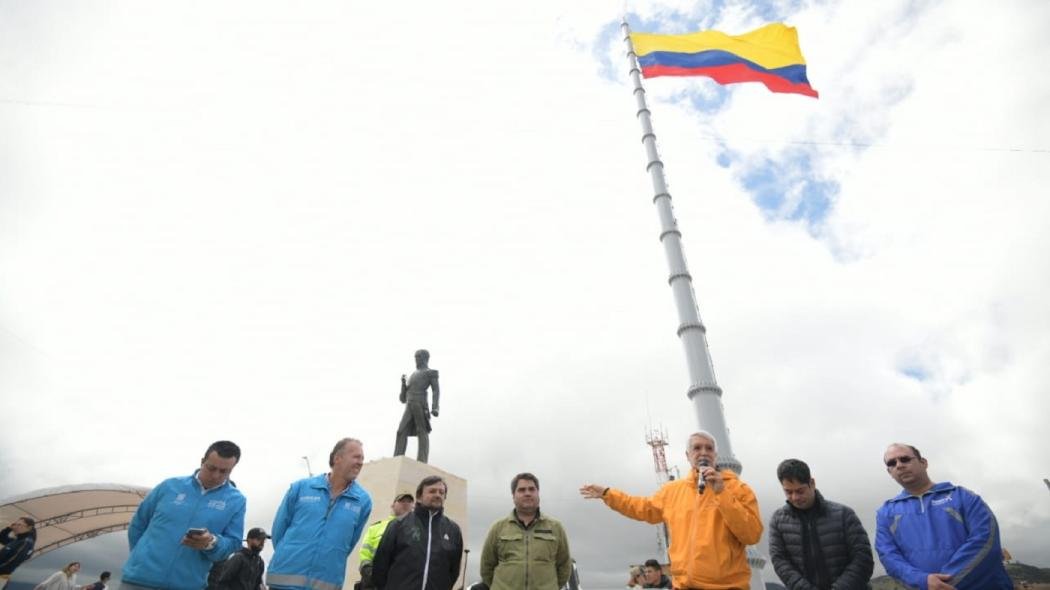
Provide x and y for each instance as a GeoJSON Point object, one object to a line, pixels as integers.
{"type": "Point", "coordinates": [386, 478]}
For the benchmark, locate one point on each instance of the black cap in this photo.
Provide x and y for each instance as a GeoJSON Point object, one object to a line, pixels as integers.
{"type": "Point", "coordinates": [258, 533]}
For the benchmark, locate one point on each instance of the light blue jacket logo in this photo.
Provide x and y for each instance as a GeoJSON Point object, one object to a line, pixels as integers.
{"type": "Point", "coordinates": [217, 504]}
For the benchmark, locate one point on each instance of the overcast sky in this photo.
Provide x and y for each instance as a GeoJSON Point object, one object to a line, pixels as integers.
{"type": "Point", "coordinates": [239, 220]}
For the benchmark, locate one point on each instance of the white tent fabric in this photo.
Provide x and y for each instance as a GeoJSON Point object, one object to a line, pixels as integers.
{"type": "Point", "coordinates": [67, 514]}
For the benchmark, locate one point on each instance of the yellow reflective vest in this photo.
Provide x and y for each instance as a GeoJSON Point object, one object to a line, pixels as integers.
{"type": "Point", "coordinates": [372, 537]}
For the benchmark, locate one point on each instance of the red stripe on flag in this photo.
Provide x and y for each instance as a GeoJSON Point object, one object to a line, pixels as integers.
{"type": "Point", "coordinates": [733, 74]}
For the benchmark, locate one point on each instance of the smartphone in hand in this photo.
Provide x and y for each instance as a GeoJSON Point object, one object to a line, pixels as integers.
{"type": "Point", "coordinates": [194, 532]}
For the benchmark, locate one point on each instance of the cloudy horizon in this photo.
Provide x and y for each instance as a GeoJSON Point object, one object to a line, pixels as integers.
{"type": "Point", "coordinates": [238, 221]}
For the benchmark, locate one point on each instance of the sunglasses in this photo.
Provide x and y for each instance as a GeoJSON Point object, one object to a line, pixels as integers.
{"type": "Point", "coordinates": [903, 460]}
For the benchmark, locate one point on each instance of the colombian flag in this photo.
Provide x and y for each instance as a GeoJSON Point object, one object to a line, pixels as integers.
{"type": "Point", "coordinates": [769, 55]}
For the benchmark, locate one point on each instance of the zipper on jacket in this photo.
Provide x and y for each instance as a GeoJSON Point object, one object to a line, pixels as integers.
{"type": "Point", "coordinates": [312, 570]}
{"type": "Point", "coordinates": [426, 562]}
{"type": "Point", "coordinates": [527, 562]}
{"type": "Point", "coordinates": [698, 504]}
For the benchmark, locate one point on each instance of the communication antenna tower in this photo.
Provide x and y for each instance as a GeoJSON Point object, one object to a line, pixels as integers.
{"type": "Point", "coordinates": [657, 440]}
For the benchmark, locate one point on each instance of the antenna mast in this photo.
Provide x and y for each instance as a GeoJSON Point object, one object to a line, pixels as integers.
{"type": "Point", "coordinates": [657, 440]}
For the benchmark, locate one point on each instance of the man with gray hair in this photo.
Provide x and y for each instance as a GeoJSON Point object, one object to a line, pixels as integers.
{"type": "Point", "coordinates": [710, 514]}
{"type": "Point", "coordinates": [319, 522]}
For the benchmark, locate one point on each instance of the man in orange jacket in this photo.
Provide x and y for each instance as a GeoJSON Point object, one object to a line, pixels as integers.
{"type": "Point", "coordinates": [709, 530]}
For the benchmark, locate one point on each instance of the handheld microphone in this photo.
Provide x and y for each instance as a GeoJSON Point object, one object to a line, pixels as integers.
{"type": "Point", "coordinates": [700, 483]}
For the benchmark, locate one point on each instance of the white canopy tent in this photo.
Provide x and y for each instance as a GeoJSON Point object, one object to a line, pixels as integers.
{"type": "Point", "coordinates": [67, 514]}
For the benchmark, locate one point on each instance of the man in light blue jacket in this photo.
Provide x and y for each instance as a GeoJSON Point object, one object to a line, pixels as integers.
{"type": "Point", "coordinates": [185, 524]}
{"type": "Point", "coordinates": [319, 522]}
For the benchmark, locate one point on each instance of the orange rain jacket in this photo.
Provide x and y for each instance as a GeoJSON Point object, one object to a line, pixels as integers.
{"type": "Point", "coordinates": [709, 533]}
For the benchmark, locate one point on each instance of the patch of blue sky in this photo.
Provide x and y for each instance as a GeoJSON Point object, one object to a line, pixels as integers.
{"type": "Point", "coordinates": [725, 158]}
{"type": "Point", "coordinates": [785, 188]}
{"type": "Point", "coordinates": [789, 188]}
{"type": "Point", "coordinates": [915, 372]}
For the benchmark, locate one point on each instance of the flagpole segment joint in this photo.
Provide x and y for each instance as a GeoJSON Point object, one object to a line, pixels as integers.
{"type": "Point", "coordinates": [685, 327]}
{"type": "Point", "coordinates": [678, 275]}
{"type": "Point", "coordinates": [679, 234]}
{"type": "Point", "coordinates": [697, 389]}
{"type": "Point", "coordinates": [651, 164]}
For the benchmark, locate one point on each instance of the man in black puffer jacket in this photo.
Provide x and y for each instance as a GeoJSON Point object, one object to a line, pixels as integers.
{"type": "Point", "coordinates": [421, 543]}
{"type": "Point", "coordinates": [816, 544]}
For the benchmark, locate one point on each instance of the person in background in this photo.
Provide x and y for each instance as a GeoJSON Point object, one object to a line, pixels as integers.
{"type": "Point", "coordinates": [402, 505]}
{"type": "Point", "coordinates": [244, 569]}
{"type": "Point", "coordinates": [63, 579]}
{"type": "Point", "coordinates": [654, 575]}
{"type": "Point", "coordinates": [18, 540]}
{"type": "Point", "coordinates": [101, 584]}
{"type": "Point", "coordinates": [635, 577]}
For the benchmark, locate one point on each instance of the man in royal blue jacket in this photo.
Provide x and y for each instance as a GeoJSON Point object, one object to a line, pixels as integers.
{"type": "Point", "coordinates": [185, 524]}
{"type": "Point", "coordinates": [937, 536]}
{"type": "Point", "coordinates": [319, 522]}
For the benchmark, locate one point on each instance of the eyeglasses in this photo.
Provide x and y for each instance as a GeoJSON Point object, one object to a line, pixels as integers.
{"type": "Point", "coordinates": [893, 462]}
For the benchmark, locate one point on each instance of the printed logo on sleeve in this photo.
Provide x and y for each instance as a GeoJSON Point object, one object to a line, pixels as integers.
{"type": "Point", "coordinates": [309, 499]}
{"type": "Point", "coordinates": [180, 498]}
{"type": "Point", "coordinates": [217, 504]}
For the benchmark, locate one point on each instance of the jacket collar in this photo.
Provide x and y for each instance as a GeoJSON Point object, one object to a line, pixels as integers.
{"type": "Point", "coordinates": [320, 482]}
{"type": "Point", "coordinates": [513, 517]}
{"type": "Point", "coordinates": [424, 512]}
{"type": "Point", "coordinates": [195, 480]}
{"type": "Point", "coordinates": [818, 506]}
{"type": "Point", "coordinates": [944, 486]}
{"type": "Point", "coordinates": [694, 475]}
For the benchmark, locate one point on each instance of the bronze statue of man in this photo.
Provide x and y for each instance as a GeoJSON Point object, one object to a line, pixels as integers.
{"type": "Point", "coordinates": [416, 419]}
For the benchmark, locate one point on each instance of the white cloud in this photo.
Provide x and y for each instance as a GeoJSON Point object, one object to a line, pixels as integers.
{"type": "Point", "coordinates": [239, 221]}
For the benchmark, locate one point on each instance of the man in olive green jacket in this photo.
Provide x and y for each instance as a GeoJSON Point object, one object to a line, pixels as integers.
{"type": "Point", "coordinates": [527, 550]}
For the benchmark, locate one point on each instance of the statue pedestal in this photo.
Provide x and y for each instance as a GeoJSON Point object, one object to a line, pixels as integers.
{"type": "Point", "coordinates": [386, 478]}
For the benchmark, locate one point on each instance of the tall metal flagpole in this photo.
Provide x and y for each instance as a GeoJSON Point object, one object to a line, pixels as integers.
{"type": "Point", "coordinates": [704, 390]}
